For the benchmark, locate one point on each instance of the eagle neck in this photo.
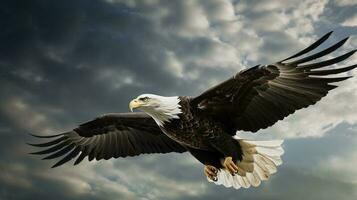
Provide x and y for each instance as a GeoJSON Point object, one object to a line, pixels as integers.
{"type": "Point", "coordinates": [168, 109]}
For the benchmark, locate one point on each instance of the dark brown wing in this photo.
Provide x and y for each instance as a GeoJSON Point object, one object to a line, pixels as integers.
{"type": "Point", "coordinates": [109, 136]}
{"type": "Point", "coordinates": [258, 97]}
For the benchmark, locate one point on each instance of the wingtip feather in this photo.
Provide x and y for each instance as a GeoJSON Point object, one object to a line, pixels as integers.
{"type": "Point", "coordinates": [310, 47]}
{"type": "Point", "coordinates": [45, 136]}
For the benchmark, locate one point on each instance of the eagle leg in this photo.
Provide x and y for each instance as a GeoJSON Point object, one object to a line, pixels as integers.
{"type": "Point", "coordinates": [211, 172]}
{"type": "Point", "coordinates": [230, 165]}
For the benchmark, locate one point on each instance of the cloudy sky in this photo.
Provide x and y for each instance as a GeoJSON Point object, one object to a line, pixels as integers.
{"type": "Point", "coordinates": [65, 62]}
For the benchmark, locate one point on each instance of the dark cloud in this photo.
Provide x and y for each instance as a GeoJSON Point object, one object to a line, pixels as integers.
{"type": "Point", "coordinates": [65, 62]}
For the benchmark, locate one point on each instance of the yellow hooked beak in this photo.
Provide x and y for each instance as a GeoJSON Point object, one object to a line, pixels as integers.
{"type": "Point", "coordinates": [134, 104]}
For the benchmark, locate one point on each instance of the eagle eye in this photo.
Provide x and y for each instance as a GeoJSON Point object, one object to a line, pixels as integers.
{"type": "Point", "coordinates": [144, 98]}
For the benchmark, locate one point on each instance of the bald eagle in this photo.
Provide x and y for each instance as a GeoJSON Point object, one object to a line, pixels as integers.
{"type": "Point", "coordinates": [206, 125]}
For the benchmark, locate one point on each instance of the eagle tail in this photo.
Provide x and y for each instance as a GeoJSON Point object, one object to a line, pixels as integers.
{"type": "Point", "coordinates": [259, 161]}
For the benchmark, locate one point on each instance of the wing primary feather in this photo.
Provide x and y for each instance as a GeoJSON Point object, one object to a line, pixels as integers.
{"type": "Point", "coordinates": [89, 141]}
{"type": "Point", "coordinates": [91, 153]}
{"type": "Point", "coordinates": [311, 47]}
{"type": "Point", "coordinates": [46, 136]}
{"type": "Point", "coordinates": [115, 146]}
{"type": "Point", "coordinates": [83, 154]}
{"type": "Point", "coordinates": [317, 90]}
{"type": "Point", "coordinates": [120, 148]}
{"type": "Point", "coordinates": [327, 62]}
{"type": "Point", "coordinates": [60, 153]}
{"type": "Point", "coordinates": [68, 157]}
{"type": "Point", "coordinates": [108, 150]}
{"type": "Point", "coordinates": [99, 150]}
{"type": "Point", "coordinates": [303, 84]}
{"type": "Point", "coordinates": [331, 71]}
{"type": "Point", "coordinates": [319, 54]}
{"type": "Point", "coordinates": [288, 99]}
{"type": "Point", "coordinates": [52, 149]}
{"type": "Point", "coordinates": [47, 144]}
{"type": "Point", "coordinates": [296, 91]}
{"type": "Point", "coordinates": [327, 80]}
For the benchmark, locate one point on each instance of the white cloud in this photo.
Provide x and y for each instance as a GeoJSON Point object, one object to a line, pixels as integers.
{"type": "Point", "coordinates": [138, 176]}
{"type": "Point", "coordinates": [193, 20]}
{"type": "Point", "coordinates": [342, 163]}
{"type": "Point", "coordinates": [173, 64]}
{"type": "Point", "coordinates": [346, 166]}
{"type": "Point", "coordinates": [17, 170]}
{"type": "Point", "coordinates": [129, 179]}
{"type": "Point", "coordinates": [218, 11]}
{"type": "Point", "coordinates": [116, 78]}
{"type": "Point", "coordinates": [25, 116]}
{"type": "Point", "coordinates": [271, 22]}
{"type": "Point", "coordinates": [352, 21]}
{"type": "Point", "coordinates": [303, 17]}
{"type": "Point", "coordinates": [345, 2]}
{"type": "Point", "coordinates": [218, 54]}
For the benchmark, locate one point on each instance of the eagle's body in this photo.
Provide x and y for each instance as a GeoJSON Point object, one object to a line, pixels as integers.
{"type": "Point", "coordinates": [205, 125]}
{"type": "Point", "coordinates": [191, 128]}
{"type": "Point", "coordinates": [200, 133]}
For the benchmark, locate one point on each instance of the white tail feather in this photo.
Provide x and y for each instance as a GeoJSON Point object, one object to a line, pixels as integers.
{"type": "Point", "coordinates": [260, 159]}
{"type": "Point", "coordinates": [270, 143]}
{"type": "Point", "coordinates": [271, 151]}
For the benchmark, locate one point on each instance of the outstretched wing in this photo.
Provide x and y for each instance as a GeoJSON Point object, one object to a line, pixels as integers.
{"type": "Point", "coordinates": [258, 97]}
{"type": "Point", "coordinates": [109, 136]}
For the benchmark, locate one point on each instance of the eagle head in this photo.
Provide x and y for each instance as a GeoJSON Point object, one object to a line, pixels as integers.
{"type": "Point", "coordinates": [161, 108]}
